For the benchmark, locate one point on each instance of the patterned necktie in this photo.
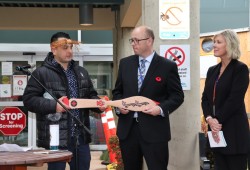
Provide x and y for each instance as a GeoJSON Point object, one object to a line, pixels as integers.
{"type": "Point", "coordinates": [141, 73]}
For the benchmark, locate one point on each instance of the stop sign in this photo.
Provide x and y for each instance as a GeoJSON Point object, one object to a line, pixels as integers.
{"type": "Point", "coordinates": [12, 121]}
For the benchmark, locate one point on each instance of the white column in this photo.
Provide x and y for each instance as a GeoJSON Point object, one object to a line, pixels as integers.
{"type": "Point", "coordinates": [185, 121]}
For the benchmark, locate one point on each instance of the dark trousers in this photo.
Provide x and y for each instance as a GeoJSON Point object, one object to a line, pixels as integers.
{"type": "Point", "coordinates": [230, 162]}
{"type": "Point", "coordinates": [134, 148]}
{"type": "Point", "coordinates": [83, 157]}
{"type": "Point", "coordinates": [248, 160]}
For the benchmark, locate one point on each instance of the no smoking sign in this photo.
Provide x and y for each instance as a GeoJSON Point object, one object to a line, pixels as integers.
{"type": "Point", "coordinates": [180, 54]}
{"type": "Point", "coordinates": [176, 54]}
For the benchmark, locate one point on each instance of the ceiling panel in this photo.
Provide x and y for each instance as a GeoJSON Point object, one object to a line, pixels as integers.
{"type": "Point", "coordinates": [60, 3]}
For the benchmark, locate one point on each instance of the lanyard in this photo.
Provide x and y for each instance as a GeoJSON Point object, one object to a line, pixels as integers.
{"type": "Point", "coordinates": [214, 93]}
{"type": "Point", "coordinates": [215, 84]}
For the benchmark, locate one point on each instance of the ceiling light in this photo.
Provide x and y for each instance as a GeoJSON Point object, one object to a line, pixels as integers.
{"type": "Point", "coordinates": [86, 14]}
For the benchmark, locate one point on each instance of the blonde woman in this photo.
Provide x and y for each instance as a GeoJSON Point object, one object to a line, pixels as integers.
{"type": "Point", "coordinates": [223, 102]}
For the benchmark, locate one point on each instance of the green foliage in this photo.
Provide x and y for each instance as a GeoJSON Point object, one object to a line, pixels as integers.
{"type": "Point", "coordinates": [105, 156]}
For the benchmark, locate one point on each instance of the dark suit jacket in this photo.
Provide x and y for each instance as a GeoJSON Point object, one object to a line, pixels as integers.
{"type": "Point", "coordinates": [161, 84]}
{"type": "Point", "coordinates": [229, 104]}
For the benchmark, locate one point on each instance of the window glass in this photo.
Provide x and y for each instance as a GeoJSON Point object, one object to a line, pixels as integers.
{"type": "Point", "coordinates": [101, 75]}
{"type": "Point", "coordinates": [7, 95]}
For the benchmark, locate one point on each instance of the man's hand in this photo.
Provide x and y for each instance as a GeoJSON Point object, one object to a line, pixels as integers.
{"type": "Point", "coordinates": [123, 111]}
{"type": "Point", "coordinates": [154, 111]}
{"type": "Point", "coordinates": [59, 108]}
{"type": "Point", "coordinates": [102, 108]}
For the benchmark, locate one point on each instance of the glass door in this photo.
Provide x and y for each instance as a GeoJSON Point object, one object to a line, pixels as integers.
{"type": "Point", "coordinates": [11, 96]}
{"type": "Point", "coordinates": [101, 75]}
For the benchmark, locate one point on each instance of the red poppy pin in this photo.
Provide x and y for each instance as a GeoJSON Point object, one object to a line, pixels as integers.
{"type": "Point", "coordinates": [158, 79]}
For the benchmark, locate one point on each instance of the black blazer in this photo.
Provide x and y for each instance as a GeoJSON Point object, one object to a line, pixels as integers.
{"type": "Point", "coordinates": [229, 104]}
{"type": "Point", "coordinates": [161, 84]}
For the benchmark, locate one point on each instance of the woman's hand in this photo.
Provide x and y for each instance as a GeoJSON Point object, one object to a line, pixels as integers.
{"type": "Point", "coordinates": [214, 124]}
{"type": "Point", "coordinates": [215, 127]}
{"type": "Point", "coordinates": [216, 136]}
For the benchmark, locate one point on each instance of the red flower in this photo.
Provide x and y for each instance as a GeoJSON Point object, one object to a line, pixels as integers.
{"type": "Point", "coordinates": [158, 79]}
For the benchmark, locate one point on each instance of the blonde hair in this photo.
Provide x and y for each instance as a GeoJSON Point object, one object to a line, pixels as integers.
{"type": "Point", "coordinates": [232, 43]}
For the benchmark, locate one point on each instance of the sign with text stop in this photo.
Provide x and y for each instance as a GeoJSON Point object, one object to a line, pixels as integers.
{"type": "Point", "coordinates": [12, 121]}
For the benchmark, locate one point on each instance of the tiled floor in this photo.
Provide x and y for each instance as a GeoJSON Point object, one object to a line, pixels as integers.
{"type": "Point", "coordinates": [95, 163]}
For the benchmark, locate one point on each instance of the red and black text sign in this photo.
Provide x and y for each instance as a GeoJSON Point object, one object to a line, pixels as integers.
{"type": "Point", "coordinates": [12, 121]}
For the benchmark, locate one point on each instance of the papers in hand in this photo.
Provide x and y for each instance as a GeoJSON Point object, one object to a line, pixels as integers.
{"type": "Point", "coordinates": [13, 148]}
{"type": "Point", "coordinates": [213, 144]}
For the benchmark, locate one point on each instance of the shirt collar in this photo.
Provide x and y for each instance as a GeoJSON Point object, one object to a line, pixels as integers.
{"type": "Point", "coordinates": [55, 63]}
{"type": "Point", "coordinates": [148, 58]}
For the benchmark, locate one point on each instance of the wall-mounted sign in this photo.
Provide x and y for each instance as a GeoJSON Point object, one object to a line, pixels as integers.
{"type": "Point", "coordinates": [19, 84]}
{"type": "Point", "coordinates": [180, 54]}
{"type": "Point", "coordinates": [7, 68]}
{"type": "Point", "coordinates": [13, 121]}
{"type": "Point", "coordinates": [174, 21]}
{"type": "Point", "coordinates": [5, 90]}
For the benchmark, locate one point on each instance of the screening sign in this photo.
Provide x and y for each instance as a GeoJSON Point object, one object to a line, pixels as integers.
{"type": "Point", "coordinates": [180, 54]}
{"type": "Point", "coordinates": [174, 22]}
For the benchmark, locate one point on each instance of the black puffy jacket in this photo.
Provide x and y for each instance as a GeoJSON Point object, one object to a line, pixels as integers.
{"type": "Point", "coordinates": [54, 79]}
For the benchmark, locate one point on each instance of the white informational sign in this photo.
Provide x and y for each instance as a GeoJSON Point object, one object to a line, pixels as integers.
{"type": "Point", "coordinates": [19, 84]}
{"type": "Point", "coordinates": [5, 90]}
{"type": "Point", "coordinates": [7, 68]}
{"type": "Point", "coordinates": [174, 19]}
{"type": "Point", "coordinates": [205, 63]}
{"type": "Point", "coordinates": [180, 54]}
{"type": "Point", "coordinates": [54, 136]}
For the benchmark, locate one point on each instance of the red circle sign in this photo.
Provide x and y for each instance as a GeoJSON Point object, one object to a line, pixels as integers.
{"type": "Point", "coordinates": [12, 121]}
{"type": "Point", "coordinates": [176, 54]}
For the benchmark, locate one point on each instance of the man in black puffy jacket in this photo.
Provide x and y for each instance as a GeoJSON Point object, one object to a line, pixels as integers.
{"type": "Point", "coordinates": [63, 77]}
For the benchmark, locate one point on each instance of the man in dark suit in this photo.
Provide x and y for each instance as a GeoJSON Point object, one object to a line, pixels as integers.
{"type": "Point", "coordinates": [146, 133]}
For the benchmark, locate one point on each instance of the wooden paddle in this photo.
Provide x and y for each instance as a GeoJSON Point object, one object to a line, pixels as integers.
{"type": "Point", "coordinates": [135, 103]}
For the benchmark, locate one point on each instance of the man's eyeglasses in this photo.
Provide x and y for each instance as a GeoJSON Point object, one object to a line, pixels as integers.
{"type": "Point", "coordinates": [136, 41]}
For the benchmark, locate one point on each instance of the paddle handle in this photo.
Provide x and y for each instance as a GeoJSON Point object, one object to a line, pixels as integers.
{"type": "Point", "coordinates": [135, 103]}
